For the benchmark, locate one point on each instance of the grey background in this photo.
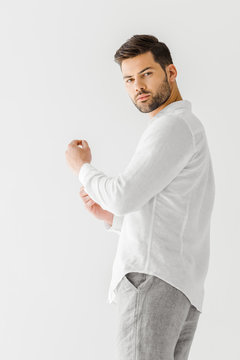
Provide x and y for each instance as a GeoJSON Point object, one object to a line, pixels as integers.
{"type": "Point", "coordinates": [58, 82]}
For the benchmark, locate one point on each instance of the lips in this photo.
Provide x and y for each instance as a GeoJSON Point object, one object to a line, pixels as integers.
{"type": "Point", "coordinates": [142, 97]}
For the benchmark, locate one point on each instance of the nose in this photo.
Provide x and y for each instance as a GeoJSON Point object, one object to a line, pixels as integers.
{"type": "Point", "coordinates": [139, 85]}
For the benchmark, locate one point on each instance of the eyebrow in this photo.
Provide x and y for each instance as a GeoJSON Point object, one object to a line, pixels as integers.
{"type": "Point", "coordinates": [128, 76]}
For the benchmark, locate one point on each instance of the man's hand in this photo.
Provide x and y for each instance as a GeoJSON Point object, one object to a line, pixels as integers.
{"type": "Point", "coordinates": [77, 156]}
{"type": "Point", "coordinates": [94, 208]}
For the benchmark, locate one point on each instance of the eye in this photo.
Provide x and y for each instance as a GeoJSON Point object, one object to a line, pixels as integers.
{"type": "Point", "coordinates": [143, 75]}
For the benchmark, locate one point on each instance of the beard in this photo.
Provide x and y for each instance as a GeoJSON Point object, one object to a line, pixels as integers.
{"type": "Point", "coordinates": [162, 95]}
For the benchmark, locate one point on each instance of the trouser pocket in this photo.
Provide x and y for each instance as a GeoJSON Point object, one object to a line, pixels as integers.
{"type": "Point", "coordinates": [137, 279]}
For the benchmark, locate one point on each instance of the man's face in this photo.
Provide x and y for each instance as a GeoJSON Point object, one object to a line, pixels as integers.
{"type": "Point", "coordinates": [152, 81]}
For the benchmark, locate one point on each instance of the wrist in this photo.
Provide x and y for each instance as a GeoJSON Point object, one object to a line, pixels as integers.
{"type": "Point", "coordinates": [108, 218]}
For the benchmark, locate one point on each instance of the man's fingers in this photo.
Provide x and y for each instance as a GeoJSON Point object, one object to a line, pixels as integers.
{"type": "Point", "coordinates": [90, 202]}
{"type": "Point", "coordinates": [82, 190]}
{"type": "Point", "coordinates": [87, 199]}
{"type": "Point", "coordinates": [83, 194]}
{"type": "Point", "coordinates": [75, 142]}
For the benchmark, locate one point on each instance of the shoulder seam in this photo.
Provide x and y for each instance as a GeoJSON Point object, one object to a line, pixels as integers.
{"type": "Point", "coordinates": [193, 139]}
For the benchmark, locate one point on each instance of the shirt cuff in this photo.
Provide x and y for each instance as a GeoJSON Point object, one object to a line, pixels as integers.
{"type": "Point", "coordinates": [107, 225]}
{"type": "Point", "coordinates": [83, 172]}
{"type": "Point", "coordinates": [116, 224]}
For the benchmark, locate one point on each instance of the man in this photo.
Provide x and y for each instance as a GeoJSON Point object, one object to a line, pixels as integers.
{"type": "Point", "coordinates": [160, 206]}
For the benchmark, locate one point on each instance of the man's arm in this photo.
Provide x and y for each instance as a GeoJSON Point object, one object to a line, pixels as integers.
{"type": "Point", "coordinates": [164, 149]}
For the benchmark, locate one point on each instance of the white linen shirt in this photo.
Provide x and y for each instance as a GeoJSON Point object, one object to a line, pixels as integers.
{"type": "Point", "coordinates": [161, 203]}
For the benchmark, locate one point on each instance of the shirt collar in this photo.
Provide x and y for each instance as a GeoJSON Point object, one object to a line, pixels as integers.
{"type": "Point", "coordinates": [180, 104]}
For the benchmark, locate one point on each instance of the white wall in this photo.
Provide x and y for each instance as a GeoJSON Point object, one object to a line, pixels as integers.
{"type": "Point", "coordinates": [58, 82]}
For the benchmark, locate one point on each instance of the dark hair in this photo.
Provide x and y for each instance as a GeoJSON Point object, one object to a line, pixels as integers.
{"type": "Point", "coordinates": [140, 44]}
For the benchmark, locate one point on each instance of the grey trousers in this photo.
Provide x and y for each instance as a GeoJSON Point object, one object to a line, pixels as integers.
{"type": "Point", "coordinates": [156, 321]}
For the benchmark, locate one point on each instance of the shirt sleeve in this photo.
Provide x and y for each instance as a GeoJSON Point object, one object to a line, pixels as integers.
{"type": "Point", "coordinates": [116, 224]}
{"type": "Point", "coordinates": [164, 149]}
